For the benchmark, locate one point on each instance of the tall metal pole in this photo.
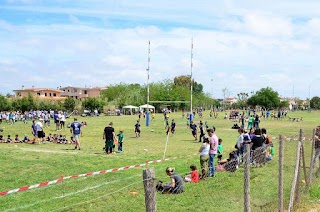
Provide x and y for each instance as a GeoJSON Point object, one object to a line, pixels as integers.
{"type": "Point", "coordinates": [191, 87]}
{"type": "Point", "coordinates": [211, 94]}
{"type": "Point", "coordinates": [148, 70]}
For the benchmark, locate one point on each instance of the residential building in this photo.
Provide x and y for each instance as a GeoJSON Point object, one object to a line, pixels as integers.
{"type": "Point", "coordinates": [41, 93]}
{"type": "Point", "coordinates": [81, 92]}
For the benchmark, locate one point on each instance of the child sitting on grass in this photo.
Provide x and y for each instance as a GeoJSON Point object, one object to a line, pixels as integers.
{"type": "Point", "coordinates": [49, 138]}
{"type": "Point", "coordinates": [17, 139]}
{"type": "Point", "coordinates": [72, 140]}
{"type": "Point", "coordinates": [2, 140]}
{"type": "Point", "coordinates": [9, 139]}
{"type": "Point", "coordinates": [193, 176]}
{"type": "Point", "coordinates": [55, 138]}
{"type": "Point", "coordinates": [25, 139]}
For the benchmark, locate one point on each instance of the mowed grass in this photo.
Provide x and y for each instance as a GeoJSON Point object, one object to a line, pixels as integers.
{"type": "Point", "coordinates": [28, 164]}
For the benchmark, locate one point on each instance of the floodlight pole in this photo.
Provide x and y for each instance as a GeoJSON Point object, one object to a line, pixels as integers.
{"type": "Point", "coordinates": [191, 86]}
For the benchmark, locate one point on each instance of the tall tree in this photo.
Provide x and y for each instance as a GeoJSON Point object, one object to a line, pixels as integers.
{"type": "Point", "coordinates": [93, 104]}
{"type": "Point", "coordinates": [4, 103]}
{"type": "Point", "coordinates": [266, 98]}
{"type": "Point", "coordinates": [69, 103]}
{"type": "Point", "coordinates": [315, 102]}
{"type": "Point", "coordinates": [185, 80]}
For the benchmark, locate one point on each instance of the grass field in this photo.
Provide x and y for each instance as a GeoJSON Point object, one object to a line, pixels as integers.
{"type": "Point", "coordinates": [29, 164]}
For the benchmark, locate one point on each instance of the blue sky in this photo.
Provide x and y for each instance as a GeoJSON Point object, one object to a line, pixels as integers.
{"type": "Point", "coordinates": [242, 45]}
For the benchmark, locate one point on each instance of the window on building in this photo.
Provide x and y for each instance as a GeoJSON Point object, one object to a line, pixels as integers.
{"type": "Point", "coordinates": [45, 94]}
{"type": "Point", "coordinates": [54, 94]}
{"type": "Point", "coordinates": [38, 94]}
{"type": "Point", "coordinates": [50, 94]}
{"type": "Point", "coordinates": [85, 92]}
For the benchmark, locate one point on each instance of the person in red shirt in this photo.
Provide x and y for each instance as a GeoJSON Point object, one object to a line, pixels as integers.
{"type": "Point", "coordinates": [193, 176]}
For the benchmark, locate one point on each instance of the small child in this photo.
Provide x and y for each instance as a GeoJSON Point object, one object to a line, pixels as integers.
{"type": "Point", "coordinates": [201, 130]}
{"type": "Point", "coordinates": [207, 125]}
{"type": "Point", "coordinates": [153, 115]}
{"type": "Point", "coordinates": [120, 140]}
{"type": "Point", "coordinates": [2, 140]}
{"type": "Point", "coordinates": [173, 126]}
{"type": "Point", "coordinates": [193, 176]}
{"type": "Point", "coordinates": [270, 152]}
{"type": "Point", "coordinates": [72, 140]}
{"type": "Point", "coordinates": [188, 123]}
{"type": "Point", "coordinates": [60, 139]}
{"type": "Point", "coordinates": [49, 138]}
{"type": "Point", "coordinates": [137, 129]}
{"type": "Point", "coordinates": [25, 139]}
{"type": "Point", "coordinates": [9, 139]}
{"type": "Point", "coordinates": [17, 139]}
{"type": "Point", "coordinates": [220, 149]}
{"type": "Point", "coordinates": [55, 138]}
{"type": "Point", "coordinates": [166, 123]}
{"type": "Point", "coordinates": [64, 139]}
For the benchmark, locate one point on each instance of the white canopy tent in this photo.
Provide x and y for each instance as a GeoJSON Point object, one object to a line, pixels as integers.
{"type": "Point", "coordinates": [146, 106]}
{"type": "Point", "coordinates": [130, 107]}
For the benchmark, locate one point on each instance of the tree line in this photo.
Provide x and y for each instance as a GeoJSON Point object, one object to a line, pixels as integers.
{"type": "Point", "coordinates": [171, 93]}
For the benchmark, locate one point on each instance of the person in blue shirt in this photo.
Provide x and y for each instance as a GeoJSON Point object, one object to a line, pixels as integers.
{"type": "Point", "coordinates": [75, 129]}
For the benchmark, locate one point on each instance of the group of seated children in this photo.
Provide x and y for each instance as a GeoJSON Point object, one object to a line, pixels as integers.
{"type": "Point", "coordinates": [60, 139]}
{"type": "Point", "coordinates": [15, 140]}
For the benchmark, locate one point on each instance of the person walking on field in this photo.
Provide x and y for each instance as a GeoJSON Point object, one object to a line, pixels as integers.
{"type": "Point", "coordinates": [75, 129]}
{"type": "Point", "coordinates": [109, 136]}
{"type": "Point", "coordinates": [250, 122]}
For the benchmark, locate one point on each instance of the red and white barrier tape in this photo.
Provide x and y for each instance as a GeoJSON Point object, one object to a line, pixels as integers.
{"type": "Point", "coordinates": [25, 188]}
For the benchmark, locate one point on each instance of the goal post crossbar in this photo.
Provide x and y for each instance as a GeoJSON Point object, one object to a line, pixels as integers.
{"type": "Point", "coordinates": [169, 101]}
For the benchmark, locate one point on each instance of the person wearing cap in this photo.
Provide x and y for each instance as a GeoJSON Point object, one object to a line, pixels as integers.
{"type": "Point", "coordinates": [109, 136]}
{"type": "Point", "coordinates": [40, 133]}
{"type": "Point", "coordinates": [214, 142]}
{"type": "Point", "coordinates": [75, 129]}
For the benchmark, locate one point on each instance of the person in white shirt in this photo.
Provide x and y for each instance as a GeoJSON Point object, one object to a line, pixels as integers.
{"type": "Point", "coordinates": [40, 132]}
{"type": "Point", "coordinates": [204, 156]}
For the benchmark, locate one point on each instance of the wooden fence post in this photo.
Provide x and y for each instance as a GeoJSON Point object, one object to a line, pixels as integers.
{"type": "Point", "coordinates": [312, 160]}
{"type": "Point", "coordinates": [247, 207]}
{"type": "Point", "coordinates": [280, 189]}
{"type": "Point", "coordinates": [304, 166]}
{"type": "Point", "coordinates": [294, 181]}
{"type": "Point", "coordinates": [149, 189]}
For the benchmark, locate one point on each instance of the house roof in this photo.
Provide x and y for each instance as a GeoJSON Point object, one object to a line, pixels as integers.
{"type": "Point", "coordinates": [84, 88]}
{"type": "Point", "coordinates": [39, 89]}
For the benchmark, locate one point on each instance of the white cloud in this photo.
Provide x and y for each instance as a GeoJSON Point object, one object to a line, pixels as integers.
{"type": "Point", "coordinates": [241, 46]}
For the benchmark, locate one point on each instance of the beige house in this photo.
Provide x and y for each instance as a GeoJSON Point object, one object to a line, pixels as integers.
{"type": "Point", "coordinates": [81, 92]}
{"type": "Point", "coordinates": [41, 93]}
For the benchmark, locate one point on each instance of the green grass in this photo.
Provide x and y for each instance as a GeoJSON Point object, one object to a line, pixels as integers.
{"type": "Point", "coordinates": [27, 164]}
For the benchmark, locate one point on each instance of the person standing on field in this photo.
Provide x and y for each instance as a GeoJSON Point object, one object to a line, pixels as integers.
{"type": "Point", "coordinates": [214, 142]}
{"type": "Point", "coordinates": [109, 136]}
{"type": "Point", "coordinates": [75, 129]}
